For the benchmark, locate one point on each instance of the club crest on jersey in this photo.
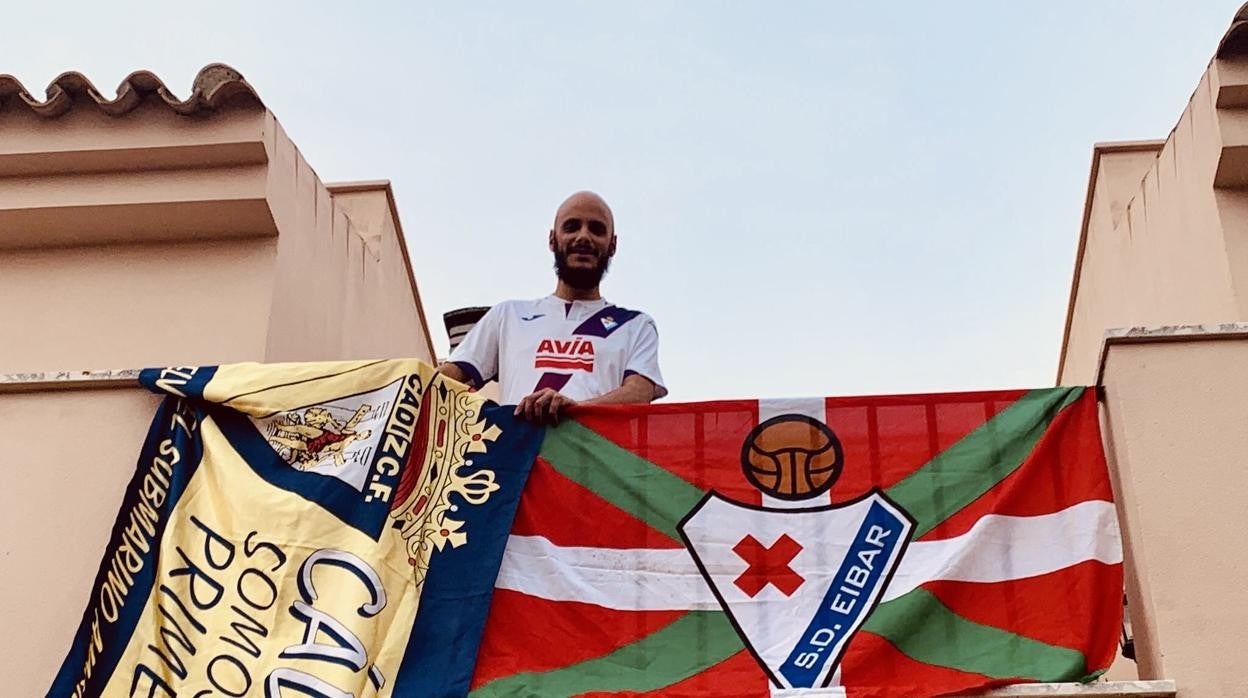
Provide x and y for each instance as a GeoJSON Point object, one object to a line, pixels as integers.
{"type": "Point", "coordinates": [608, 323]}
{"type": "Point", "coordinates": [796, 582]}
{"type": "Point", "coordinates": [565, 354]}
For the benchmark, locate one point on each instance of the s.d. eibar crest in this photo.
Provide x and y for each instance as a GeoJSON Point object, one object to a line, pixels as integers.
{"type": "Point", "coordinates": [797, 582]}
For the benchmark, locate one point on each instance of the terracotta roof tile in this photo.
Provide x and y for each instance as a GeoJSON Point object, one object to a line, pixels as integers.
{"type": "Point", "coordinates": [1235, 42]}
{"type": "Point", "coordinates": [214, 86]}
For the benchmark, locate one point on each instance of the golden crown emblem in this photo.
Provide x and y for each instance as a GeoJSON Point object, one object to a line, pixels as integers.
{"type": "Point", "coordinates": [426, 518]}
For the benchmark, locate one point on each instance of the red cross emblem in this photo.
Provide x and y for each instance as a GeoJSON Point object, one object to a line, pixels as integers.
{"type": "Point", "coordinates": [768, 565]}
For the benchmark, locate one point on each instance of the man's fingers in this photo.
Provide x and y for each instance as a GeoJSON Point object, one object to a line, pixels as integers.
{"type": "Point", "coordinates": [524, 408]}
{"type": "Point", "coordinates": [537, 405]}
{"type": "Point", "coordinates": [548, 407]}
{"type": "Point", "coordinates": [543, 406]}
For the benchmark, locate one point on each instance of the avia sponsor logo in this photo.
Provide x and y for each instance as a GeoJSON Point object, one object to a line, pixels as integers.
{"type": "Point", "coordinates": [566, 354]}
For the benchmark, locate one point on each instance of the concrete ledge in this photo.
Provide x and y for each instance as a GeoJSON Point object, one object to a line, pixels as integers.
{"type": "Point", "coordinates": [151, 137]}
{"type": "Point", "coordinates": [68, 380]}
{"type": "Point", "coordinates": [1167, 333]}
{"type": "Point", "coordinates": [140, 206]}
{"type": "Point", "coordinates": [125, 224]}
{"type": "Point", "coordinates": [1232, 85]}
{"type": "Point", "coordinates": [1232, 168]}
{"type": "Point", "coordinates": [1159, 689]}
{"type": "Point", "coordinates": [170, 157]}
{"type": "Point", "coordinates": [1136, 689]}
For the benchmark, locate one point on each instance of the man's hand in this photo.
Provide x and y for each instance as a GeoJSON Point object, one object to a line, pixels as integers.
{"type": "Point", "coordinates": [544, 406]}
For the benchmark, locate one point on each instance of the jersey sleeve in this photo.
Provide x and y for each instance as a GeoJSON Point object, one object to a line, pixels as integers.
{"type": "Point", "coordinates": [643, 359]}
{"type": "Point", "coordinates": [477, 355]}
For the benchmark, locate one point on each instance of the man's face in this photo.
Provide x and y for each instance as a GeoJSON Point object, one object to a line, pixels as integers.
{"type": "Point", "coordinates": [583, 241]}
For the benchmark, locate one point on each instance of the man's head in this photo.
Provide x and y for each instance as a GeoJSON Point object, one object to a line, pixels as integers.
{"type": "Point", "coordinates": [583, 240]}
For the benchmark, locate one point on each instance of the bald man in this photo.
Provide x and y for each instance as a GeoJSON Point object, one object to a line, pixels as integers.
{"type": "Point", "coordinates": [571, 346]}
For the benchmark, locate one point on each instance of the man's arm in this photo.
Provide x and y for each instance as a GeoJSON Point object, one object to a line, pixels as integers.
{"type": "Point", "coordinates": [636, 389]}
{"type": "Point", "coordinates": [547, 404]}
{"type": "Point", "coordinates": [454, 372]}
{"type": "Point", "coordinates": [475, 360]}
{"type": "Point", "coordinates": [643, 361]}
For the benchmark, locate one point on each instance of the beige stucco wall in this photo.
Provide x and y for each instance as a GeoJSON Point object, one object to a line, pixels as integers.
{"type": "Point", "coordinates": [147, 238]}
{"type": "Point", "coordinates": [343, 288]}
{"type": "Point", "coordinates": [1166, 231]}
{"type": "Point", "coordinates": [65, 458]}
{"type": "Point", "coordinates": [1116, 176]}
{"type": "Point", "coordinates": [1153, 252]}
{"type": "Point", "coordinates": [346, 290]}
{"type": "Point", "coordinates": [1164, 245]}
{"type": "Point", "coordinates": [153, 238]}
{"type": "Point", "coordinates": [370, 208]}
{"type": "Point", "coordinates": [135, 305]}
{"type": "Point", "coordinates": [1175, 412]}
{"type": "Point", "coordinates": [87, 178]}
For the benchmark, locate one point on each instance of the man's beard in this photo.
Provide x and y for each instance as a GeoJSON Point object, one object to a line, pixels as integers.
{"type": "Point", "coordinates": [577, 277]}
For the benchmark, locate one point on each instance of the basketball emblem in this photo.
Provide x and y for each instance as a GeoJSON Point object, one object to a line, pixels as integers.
{"type": "Point", "coordinates": [792, 457]}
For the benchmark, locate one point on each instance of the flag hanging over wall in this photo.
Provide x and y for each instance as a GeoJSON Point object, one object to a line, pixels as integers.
{"type": "Point", "coordinates": [324, 530]}
{"type": "Point", "coordinates": [907, 546]}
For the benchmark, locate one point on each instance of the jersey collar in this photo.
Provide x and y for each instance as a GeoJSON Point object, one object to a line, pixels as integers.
{"type": "Point", "coordinates": [576, 310]}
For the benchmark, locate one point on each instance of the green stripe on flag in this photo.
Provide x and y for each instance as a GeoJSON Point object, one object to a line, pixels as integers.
{"type": "Point", "coordinates": [630, 482]}
{"type": "Point", "coordinates": [918, 624]}
{"type": "Point", "coordinates": [928, 631]}
{"type": "Point", "coordinates": [979, 461]}
{"type": "Point", "coordinates": [689, 645]}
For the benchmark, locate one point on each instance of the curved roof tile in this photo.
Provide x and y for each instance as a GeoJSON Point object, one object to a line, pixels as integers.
{"type": "Point", "coordinates": [215, 85]}
{"type": "Point", "coordinates": [1234, 42]}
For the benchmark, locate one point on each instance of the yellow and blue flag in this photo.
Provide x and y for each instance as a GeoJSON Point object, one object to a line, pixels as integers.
{"type": "Point", "coordinates": [323, 529]}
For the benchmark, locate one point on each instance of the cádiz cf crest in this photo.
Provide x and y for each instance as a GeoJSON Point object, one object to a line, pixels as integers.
{"type": "Point", "coordinates": [335, 438]}
{"type": "Point", "coordinates": [401, 451]}
{"type": "Point", "coordinates": [796, 582]}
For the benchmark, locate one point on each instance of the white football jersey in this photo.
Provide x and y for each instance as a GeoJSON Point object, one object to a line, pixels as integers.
{"type": "Point", "coordinates": [583, 349]}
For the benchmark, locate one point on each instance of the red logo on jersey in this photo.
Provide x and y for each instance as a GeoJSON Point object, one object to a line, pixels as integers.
{"type": "Point", "coordinates": [567, 354]}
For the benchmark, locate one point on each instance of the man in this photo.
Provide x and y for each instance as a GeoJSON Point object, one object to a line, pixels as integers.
{"type": "Point", "coordinates": [571, 347]}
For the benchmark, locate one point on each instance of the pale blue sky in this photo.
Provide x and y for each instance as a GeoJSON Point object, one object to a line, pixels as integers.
{"type": "Point", "coordinates": [812, 198]}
